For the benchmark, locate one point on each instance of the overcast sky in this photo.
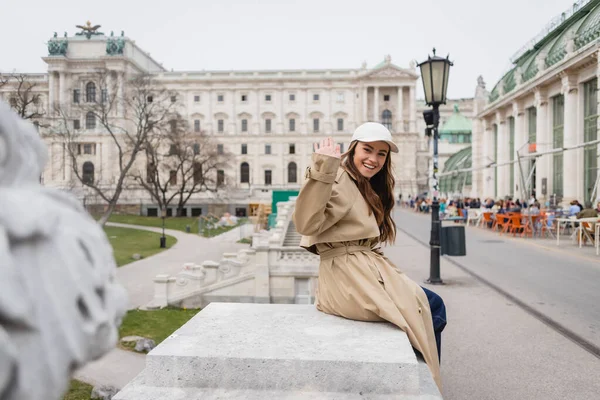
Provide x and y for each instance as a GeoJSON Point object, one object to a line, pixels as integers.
{"type": "Point", "coordinates": [479, 35]}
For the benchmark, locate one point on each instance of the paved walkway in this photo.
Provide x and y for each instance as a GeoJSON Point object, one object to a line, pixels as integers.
{"type": "Point", "coordinates": [492, 348]}
{"type": "Point", "coordinates": [118, 367]}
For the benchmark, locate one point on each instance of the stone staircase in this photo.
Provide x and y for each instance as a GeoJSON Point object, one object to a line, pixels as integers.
{"type": "Point", "coordinates": [292, 237]}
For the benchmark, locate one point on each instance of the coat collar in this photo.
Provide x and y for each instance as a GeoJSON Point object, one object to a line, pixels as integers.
{"type": "Point", "coordinates": [341, 171]}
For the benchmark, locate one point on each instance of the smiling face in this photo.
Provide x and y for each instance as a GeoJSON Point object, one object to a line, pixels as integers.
{"type": "Point", "coordinates": [370, 157]}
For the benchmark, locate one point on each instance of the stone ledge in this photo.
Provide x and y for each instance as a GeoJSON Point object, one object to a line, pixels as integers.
{"type": "Point", "coordinates": [276, 351]}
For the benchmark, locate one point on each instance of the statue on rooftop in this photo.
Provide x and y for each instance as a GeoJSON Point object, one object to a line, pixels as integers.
{"type": "Point", "coordinates": [60, 305]}
{"type": "Point", "coordinates": [88, 30]}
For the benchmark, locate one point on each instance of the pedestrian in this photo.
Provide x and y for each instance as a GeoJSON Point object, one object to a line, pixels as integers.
{"type": "Point", "coordinates": [343, 212]}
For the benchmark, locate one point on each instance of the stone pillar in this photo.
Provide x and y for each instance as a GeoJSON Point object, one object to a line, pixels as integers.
{"type": "Point", "coordinates": [399, 110]}
{"type": "Point", "coordinates": [543, 143]}
{"type": "Point", "coordinates": [51, 93]}
{"type": "Point", "coordinates": [233, 120]}
{"type": "Point", "coordinates": [365, 104]}
{"type": "Point", "coordinates": [281, 120]}
{"type": "Point", "coordinates": [121, 89]}
{"type": "Point", "coordinates": [257, 124]}
{"type": "Point", "coordinates": [376, 116]}
{"type": "Point", "coordinates": [487, 158]}
{"type": "Point", "coordinates": [62, 89]}
{"type": "Point", "coordinates": [476, 157]}
{"type": "Point", "coordinates": [570, 91]}
{"type": "Point", "coordinates": [412, 117]}
{"type": "Point", "coordinates": [503, 155]}
{"type": "Point", "coordinates": [305, 127]}
{"type": "Point", "coordinates": [520, 141]}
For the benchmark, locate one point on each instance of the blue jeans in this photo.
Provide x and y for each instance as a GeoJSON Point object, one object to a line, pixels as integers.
{"type": "Point", "coordinates": [438, 314]}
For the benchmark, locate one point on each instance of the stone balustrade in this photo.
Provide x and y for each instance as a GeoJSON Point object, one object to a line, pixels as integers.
{"type": "Point", "coordinates": [269, 272]}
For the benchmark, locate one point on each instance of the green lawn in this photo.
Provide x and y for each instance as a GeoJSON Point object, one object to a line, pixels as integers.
{"type": "Point", "coordinates": [175, 223]}
{"type": "Point", "coordinates": [78, 391]}
{"type": "Point", "coordinates": [126, 242]}
{"type": "Point", "coordinates": [155, 324]}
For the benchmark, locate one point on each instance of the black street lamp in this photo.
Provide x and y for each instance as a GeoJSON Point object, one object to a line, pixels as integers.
{"type": "Point", "coordinates": [435, 72]}
{"type": "Point", "coordinates": [163, 239]}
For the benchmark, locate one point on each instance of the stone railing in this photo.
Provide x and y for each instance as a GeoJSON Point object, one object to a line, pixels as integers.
{"type": "Point", "coordinates": [265, 273]}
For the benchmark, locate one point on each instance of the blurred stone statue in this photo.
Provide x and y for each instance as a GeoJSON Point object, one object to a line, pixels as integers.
{"type": "Point", "coordinates": [59, 303]}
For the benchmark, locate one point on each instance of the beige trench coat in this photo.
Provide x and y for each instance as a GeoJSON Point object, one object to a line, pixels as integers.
{"type": "Point", "coordinates": [355, 280]}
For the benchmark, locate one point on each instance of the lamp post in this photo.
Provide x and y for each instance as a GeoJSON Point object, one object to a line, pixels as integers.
{"type": "Point", "coordinates": [434, 72]}
{"type": "Point", "coordinates": [163, 239]}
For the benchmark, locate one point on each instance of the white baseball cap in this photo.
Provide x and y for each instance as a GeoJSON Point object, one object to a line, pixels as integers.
{"type": "Point", "coordinates": [374, 132]}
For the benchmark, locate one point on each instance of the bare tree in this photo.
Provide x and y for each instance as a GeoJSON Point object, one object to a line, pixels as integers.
{"type": "Point", "coordinates": [128, 115]}
{"type": "Point", "coordinates": [24, 97]}
{"type": "Point", "coordinates": [181, 163]}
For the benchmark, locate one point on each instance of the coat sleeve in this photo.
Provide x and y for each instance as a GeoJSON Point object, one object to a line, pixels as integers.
{"type": "Point", "coordinates": [320, 203]}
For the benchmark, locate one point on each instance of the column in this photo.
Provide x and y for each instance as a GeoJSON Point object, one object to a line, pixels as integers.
{"type": "Point", "coordinates": [476, 157]}
{"type": "Point", "coordinates": [365, 104]}
{"type": "Point", "coordinates": [399, 110]}
{"type": "Point", "coordinates": [571, 94]}
{"type": "Point", "coordinates": [121, 89]}
{"type": "Point", "coordinates": [487, 156]}
{"type": "Point", "coordinates": [258, 120]}
{"type": "Point", "coordinates": [233, 121]}
{"type": "Point", "coordinates": [305, 128]}
{"type": "Point", "coordinates": [281, 123]}
{"type": "Point", "coordinates": [412, 99]}
{"type": "Point", "coordinates": [503, 156]}
{"type": "Point", "coordinates": [62, 89]}
{"type": "Point", "coordinates": [543, 141]}
{"type": "Point", "coordinates": [51, 91]}
{"type": "Point", "coordinates": [376, 116]}
{"type": "Point", "coordinates": [208, 121]}
{"type": "Point", "coordinates": [520, 141]}
{"type": "Point", "coordinates": [328, 123]}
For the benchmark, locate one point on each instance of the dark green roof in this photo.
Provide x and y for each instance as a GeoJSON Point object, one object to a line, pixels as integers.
{"type": "Point", "coordinates": [457, 123]}
{"type": "Point", "coordinates": [583, 25]}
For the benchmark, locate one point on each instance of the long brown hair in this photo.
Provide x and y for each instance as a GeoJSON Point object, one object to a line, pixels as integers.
{"type": "Point", "coordinates": [378, 192]}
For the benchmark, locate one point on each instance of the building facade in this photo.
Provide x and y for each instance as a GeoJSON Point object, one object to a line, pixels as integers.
{"type": "Point", "coordinates": [268, 120]}
{"type": "Point", "coordinates": [537, 131]}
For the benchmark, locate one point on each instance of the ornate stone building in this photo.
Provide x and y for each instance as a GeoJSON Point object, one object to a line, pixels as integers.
{"type": "Point", "coordinates": [268, 119]}
{"type": "Point", "coordinates": [545, 108]}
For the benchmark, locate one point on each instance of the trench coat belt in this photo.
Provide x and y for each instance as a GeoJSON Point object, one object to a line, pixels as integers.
{"type": "Point", "coordinates": [338, 251]}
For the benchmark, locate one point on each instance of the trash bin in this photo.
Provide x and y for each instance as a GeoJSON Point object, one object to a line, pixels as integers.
{"type": "Point", "coordinates": [452, 240]}
{"type": "Point", "coordinates": [188, 228]}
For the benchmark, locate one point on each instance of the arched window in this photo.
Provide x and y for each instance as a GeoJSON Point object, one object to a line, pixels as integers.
{"type": "Point", "coordinates": [87, 175]}
{"type": "Point", "coordinates": [292, 173]}
{"type": "Point", "coordinates": [245, 173]}
{"type": "Point", "coordinates": [386, 119]}
{"type": "Point", "coordinates": [90, 120]}
{"type": "Point", "coordinates": [90, 92]}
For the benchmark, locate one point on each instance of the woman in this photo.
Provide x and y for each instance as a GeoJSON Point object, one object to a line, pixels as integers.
{"type": "Point", "coordinates": [343, 212]}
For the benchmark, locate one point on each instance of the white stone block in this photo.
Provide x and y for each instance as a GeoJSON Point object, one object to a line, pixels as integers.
{"type": "Point", "coordinates": [276, 351]}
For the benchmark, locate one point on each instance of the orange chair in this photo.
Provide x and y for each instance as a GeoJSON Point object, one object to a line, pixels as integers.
{"type": "Point", "coordinates": [516, 225]}
{"type": "Point", "coordinates": [487, 219]}
{"type": "Point", "coordinates": [500, 222]}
